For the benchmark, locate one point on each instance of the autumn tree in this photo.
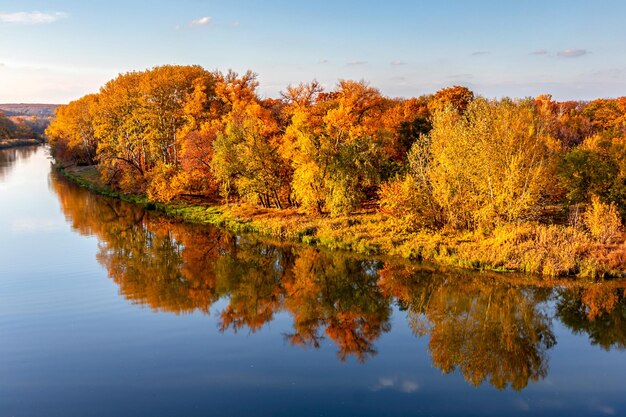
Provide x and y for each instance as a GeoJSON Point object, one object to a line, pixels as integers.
{"type": "Point", "coordinates": [180, 131]}
{"type": "Point", "coordinates": [409, 199]}
{"type": "Point", "coordinates": [596, 167]}
{"type": "Point", "coordinates": [72, 134]}
{"type": "Point", "coordinates": [335, 146]}
{"type": "Point", "coordinates": [7, 128]}
{"type": "Point", "coordinates": [457, 97]}
{"type": "Point", "coordinates": [493, 164]}
{"type": "Point", "coordinates": [122, 149]}
{"type": "Point", "coordinates": [403, 122]}
{"type": "Point", "coordinates": [607, 116]}
{"type": "Point", "coordinates": [246, 160]}
{"type": "Point", "coordinates": [565, 121]}
{"type": "Point", "coordinates": [143, 117]}
{"type": "Point", "coordinates": [195, 176]}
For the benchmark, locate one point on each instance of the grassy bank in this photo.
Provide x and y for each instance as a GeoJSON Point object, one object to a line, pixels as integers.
{"type": "Point", "coordinates": [549, 250]}
{"type": "Point", "coordinates": [11, 143]}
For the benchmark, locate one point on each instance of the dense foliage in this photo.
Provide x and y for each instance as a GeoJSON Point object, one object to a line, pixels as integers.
{"type": "Point", "coordinates": [450, 160]}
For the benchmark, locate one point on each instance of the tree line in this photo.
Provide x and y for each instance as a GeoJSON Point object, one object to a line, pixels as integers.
{"type": "Point", "coordinates": [449, 159]}
{"type": "Point", "coordinates": [20, 127]}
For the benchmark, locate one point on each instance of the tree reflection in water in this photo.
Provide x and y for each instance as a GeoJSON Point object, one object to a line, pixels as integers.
{"type": "Point", "coordinates": [489, 329]}
{"type": "Point", "coordinates": [10, 155]}
{"type": "Point", "coordinates": [598, 310]}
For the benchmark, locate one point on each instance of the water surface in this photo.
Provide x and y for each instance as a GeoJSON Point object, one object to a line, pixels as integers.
{"type": "Point", "coordinates": [109, 310]}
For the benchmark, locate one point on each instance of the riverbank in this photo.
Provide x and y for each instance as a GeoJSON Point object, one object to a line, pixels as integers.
{"type": "Point", "coordinates": [12, 143]}
{"type": "Point", "coordinates": [548, 250]}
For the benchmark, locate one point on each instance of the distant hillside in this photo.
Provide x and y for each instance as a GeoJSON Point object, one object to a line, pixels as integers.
{"type": "Point", "coordinates": [25, 121]}
{"type": "Point", "coordinates": [24, 109]}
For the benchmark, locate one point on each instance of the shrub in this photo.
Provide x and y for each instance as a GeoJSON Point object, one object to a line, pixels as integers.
{"type": "Point", "coordinates": [546, 250]}
{"type": "Point", "coordinates": [407, 203]}
{"type": "Point", "coordinates": [603, 221]}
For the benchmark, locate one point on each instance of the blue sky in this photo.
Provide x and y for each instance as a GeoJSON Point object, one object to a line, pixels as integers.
{"type": "Point", "coordinates": [57, 51]}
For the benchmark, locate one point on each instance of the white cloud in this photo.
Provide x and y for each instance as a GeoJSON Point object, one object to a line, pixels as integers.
{"type": "Point", "coordinates": [202, 21]}
{"type": "Point", "coordinates": [539, 52]}
{"type": "Point", "coordinates": [386, 382]}
{"type": "Point", "coordinates": [31, 18]}
{"type": "Point", "coordinates": [354, 63]}
{"type": "Point", "coordinates": [398, 62]}
{"type": "Point", "coordinates": [409, 387]}
{"type": "Point", "coordinates": [323, 61]}
{"type": "Point", "coordinates": [607, 410]}
{"type": "Point", "coordinates": [573, 52]}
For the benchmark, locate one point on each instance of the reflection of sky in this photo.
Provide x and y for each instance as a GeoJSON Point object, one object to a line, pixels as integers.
{"type": "Point", "coordinates": [25, 202]}
{"type": "Point", "coordinates": [36, 225]}
{"type": "Point", "coordinates": [69, 343]}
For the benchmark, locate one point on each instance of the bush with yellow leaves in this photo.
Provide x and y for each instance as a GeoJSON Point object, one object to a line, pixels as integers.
{"type": "Point", "coordinates": [603, 221]}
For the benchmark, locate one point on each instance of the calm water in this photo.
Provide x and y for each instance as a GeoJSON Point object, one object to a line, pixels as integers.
{"type": "Point", "coordinates": [108, 310]}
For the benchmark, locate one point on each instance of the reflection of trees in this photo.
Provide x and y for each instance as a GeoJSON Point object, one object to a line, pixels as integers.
{"type": "Point", "coordinates": [486, 329]}
{"type": "Point", "coordinates": [180, 268]}
{"type": "Point", "coordinates": [154, 261]}
{"type": "Point", "coordinates": [7, 161]}
{"type": "Point", "coordinates": [339, 293]}
{"type": "Point", "coordinates": [8, 157]}
{"type": "Point", "coordinates": [251, 275]}
{"type": "Point", "coordinates": [150, 266]}
{"type": "Point", "coordinates": [598, 310]}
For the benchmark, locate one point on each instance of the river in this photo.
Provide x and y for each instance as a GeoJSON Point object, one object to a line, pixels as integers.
{"type": "Point", "coordinates": [110, 310]}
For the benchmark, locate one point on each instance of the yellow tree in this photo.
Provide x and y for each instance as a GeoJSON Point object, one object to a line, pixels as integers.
{"type": "Point", "coordinates": [246, 160]}
{"type": "Point", "coordinates": [119, 128]}
{"type": "Point", "coordinates": [494, 164]}
{"type": "Point", "coordinates": [607, 115]}
{"type": "Point", "coordinates": [300, 143]}
{"type": "Point", "coordinates": [335, 144]}
{"type": "Point", "coordinates": [71, 134]}
{"type": "Point", "coordinates": [143, 120]}
{"type": "Point", "coordinates": [177, 100]}
{"type": "Point", "coordinates": [166, 106]}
